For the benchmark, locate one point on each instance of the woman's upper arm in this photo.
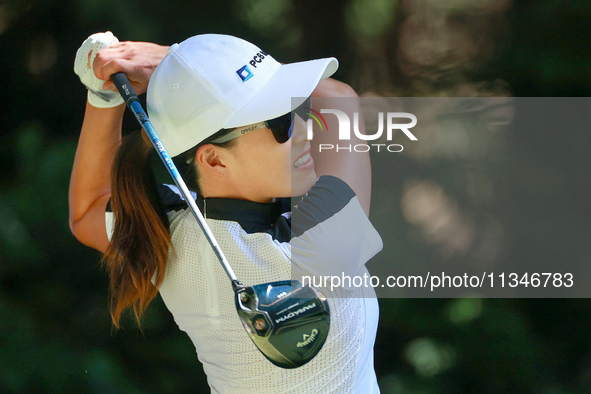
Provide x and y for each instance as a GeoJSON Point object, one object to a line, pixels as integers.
{"type": "Point", "coordinates": [337, 157]}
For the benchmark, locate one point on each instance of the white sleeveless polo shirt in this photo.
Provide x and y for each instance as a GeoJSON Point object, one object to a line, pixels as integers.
{"type": "Point", "coordinates": [326, 233]}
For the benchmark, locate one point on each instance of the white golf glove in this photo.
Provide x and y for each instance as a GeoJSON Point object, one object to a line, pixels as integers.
{"type": "Point", "coordinates": [97, 96]}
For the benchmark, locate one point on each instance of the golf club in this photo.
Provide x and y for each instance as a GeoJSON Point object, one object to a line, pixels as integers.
{"type": "Point", "coordinates": [287, 322]}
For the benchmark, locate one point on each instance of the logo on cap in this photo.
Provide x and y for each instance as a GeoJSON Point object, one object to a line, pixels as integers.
{"type": "Point", "coordinates": [244, 73]}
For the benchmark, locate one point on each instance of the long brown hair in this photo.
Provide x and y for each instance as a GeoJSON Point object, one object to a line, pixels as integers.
{"type": "Point", "coordinates": [138, 251]}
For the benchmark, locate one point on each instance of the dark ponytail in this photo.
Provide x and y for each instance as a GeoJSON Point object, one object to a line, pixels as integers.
{"type": "Point", "coordinates": [140, 244]}
{"type": "Point", "coordinates": [137, 254]}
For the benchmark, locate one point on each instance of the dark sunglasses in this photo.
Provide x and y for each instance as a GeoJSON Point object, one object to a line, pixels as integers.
{"type": "Point", "coordinates": [282, 126]}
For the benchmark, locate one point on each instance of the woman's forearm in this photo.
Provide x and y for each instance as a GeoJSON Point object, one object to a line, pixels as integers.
{"type": "Point", "coordinates": [90, 183]}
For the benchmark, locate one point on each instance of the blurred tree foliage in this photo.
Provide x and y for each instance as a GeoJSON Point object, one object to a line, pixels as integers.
{"type": "Point", "coordinates": [56, 333]}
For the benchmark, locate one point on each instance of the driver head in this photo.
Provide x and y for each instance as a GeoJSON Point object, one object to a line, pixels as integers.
{"type": "Point", "coordinates": [288, 323]}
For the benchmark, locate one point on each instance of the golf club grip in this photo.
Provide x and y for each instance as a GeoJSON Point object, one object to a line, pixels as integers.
{"type": "Point", "coordinates": [124, 86]}
{"type": "Point", "coordinates": [133, 103]}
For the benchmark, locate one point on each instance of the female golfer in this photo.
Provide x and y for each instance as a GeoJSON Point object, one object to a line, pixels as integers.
{"type": "Point", "coordinates": [223, 110]}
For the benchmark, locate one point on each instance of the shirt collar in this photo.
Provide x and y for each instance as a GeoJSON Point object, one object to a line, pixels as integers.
{"type": "Point", "coordinates": [252, 216]}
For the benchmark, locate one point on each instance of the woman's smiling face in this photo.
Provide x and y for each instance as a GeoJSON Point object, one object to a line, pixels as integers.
{"type": "Point", "coordinates": [262, 168]}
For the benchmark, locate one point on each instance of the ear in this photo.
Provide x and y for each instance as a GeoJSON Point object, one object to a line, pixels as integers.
{"type": "Point", "coordinates": [210, 159]}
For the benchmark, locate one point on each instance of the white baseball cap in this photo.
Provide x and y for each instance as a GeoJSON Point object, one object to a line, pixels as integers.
{"type": "Point", "coordinates": [211, 82]}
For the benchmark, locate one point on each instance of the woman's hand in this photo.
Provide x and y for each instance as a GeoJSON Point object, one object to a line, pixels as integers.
{"type": "Point", "coordinates": [137, 60]}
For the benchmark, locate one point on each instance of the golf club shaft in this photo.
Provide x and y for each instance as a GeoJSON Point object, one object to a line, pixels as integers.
{"type": "Point", "coordinates": [133, 103]}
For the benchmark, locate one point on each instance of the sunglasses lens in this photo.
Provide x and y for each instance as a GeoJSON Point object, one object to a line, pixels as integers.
{"type": "Point", "coordinates": [282, 127]}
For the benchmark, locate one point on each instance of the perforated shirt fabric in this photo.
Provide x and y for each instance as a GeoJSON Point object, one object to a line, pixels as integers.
{"type": "Point", "coordinates": [326, 233]}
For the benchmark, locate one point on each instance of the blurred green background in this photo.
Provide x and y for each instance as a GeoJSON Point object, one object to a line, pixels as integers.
{"type": "Point", "coordinates": [55, 329]}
